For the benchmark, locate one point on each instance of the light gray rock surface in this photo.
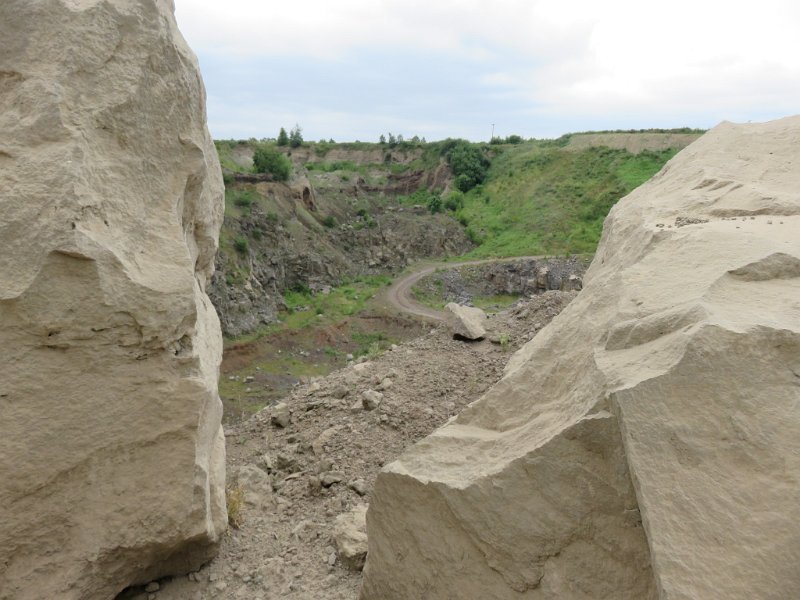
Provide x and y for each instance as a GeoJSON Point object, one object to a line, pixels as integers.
{"type": "Point", "coordinates": [111, 451]}
{"type": "Point", "coordinates": [645, 444]}
{"type": "Point", "coordinates": [350, 537]}
{"type": "Point", "coordinates": [466, 321]}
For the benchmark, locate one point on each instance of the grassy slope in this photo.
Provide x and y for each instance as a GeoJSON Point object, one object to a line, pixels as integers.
{"type": "Point", "coordinates": [540, 198]}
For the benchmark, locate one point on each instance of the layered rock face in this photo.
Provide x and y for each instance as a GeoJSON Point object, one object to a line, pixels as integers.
{"type": "Point", "coordinates": [111, 450]}
{"type": "Point", "coordinates": [646, 444]}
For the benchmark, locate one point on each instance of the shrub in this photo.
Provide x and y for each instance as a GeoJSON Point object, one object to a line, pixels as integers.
{"type": "Point", "coordinates": [240, 244]}
{"type": "Point", "coordinates": [283, 138]}
{"type": "Point", "coordinates": [434, 204]}
{"type": "Point", "coordinates": [235, 501]}
{"type": "Point", "coordinates": [329, 221]}
{"type": "Point", "coordinates": [242, 198]}
{"type": "Point", "coordinates": [468, 164]}
{"type": "Point", "coordinates": [455, 201]}
{"type": "Point", "coordinates": [272, 161]}
{"type": "Point", "coordinates": [296, 137]}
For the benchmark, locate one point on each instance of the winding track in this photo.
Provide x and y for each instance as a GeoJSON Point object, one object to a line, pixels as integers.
{"type": "Point", "coordinates": [399, 293]}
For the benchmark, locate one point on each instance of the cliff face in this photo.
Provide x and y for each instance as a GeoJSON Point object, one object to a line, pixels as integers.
{"type": "Point", "coordinates": [646, 444]}
{"type": "Point", "coordinates": [111, 449]}
{"type": "Point", "coordinates": [336, 218]}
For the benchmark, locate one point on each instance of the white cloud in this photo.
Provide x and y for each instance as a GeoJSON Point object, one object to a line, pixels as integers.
{"type": "Point", "coordinates": [553, 58]}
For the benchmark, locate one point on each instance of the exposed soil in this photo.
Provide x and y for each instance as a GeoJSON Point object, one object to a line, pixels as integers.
{"type": "Point", "coordinates": [325, 460]}
{"type": "Point", "coordinates": [260, 372]}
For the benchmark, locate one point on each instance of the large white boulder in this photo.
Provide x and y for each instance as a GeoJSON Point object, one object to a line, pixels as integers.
{"type": "Point", "coordinates": [646, 444]}
{"type": "Point", "coordinates": [111, 451]}
{"type": "Point", "coordinates": [467, 322]}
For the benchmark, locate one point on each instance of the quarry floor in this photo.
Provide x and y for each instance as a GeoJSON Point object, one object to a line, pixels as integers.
{"type": "Point", "coordinates": [283, 547]}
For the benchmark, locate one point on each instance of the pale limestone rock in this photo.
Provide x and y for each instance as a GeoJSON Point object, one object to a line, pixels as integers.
{"type": "Point", "coordinates": [350, 537]}
{"type": "Point", "coordinates": [281, 415]}
{"type": "Point", "coordinates": [370, 399]}
{"type": "Point", "coordinates": [111, 450]}
{"type": "Point", "coordinates": [466, 321]}
{"type": "Point", "coordinates": [256, 484]}
{"type": "Point", "coordinates": [645, 444]}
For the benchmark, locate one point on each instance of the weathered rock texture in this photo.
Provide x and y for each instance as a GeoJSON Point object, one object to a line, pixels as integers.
{"type": "Point", "coordinates": [466, 321]}
{"type": "Point", "coordinates": [646, 444]}
{"type": "Point", "coordinates": [111, 450]}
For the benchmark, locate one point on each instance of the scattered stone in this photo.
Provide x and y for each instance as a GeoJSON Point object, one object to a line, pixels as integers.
{"type": "Point", "coordinates": [266, 462]}
{"type": "Point", "coordinates": [314, 485]}
{"type": "Point", "coordinates": [350, 537]}
{"type": "Point", "coordinates": [370, 399]}
{"type": "Point", "coordinates": [359, 486]}
{"type": "Point", "coordinates": [385, 384]}
{"type": "Point", "coordinates": [318, 445]}
{"type": "Point", "coordinates": [466, 321]}
{"type": "Point", "coordinates": [339, 392]}
{"type": "Point", "coordinates": [257, 485]}
{"type": "Point", "coordinates": [151, 587]}
{"type": "Point", "coordinates": [329, 478]}
{"type": "Point", "coordinates": [281, 415]}
{"type": "Point", "coordinates": [285, 462]}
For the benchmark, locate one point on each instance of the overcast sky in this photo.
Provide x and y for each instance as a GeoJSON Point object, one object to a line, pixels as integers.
{"type": "Point", "coordinates": [353, 69]}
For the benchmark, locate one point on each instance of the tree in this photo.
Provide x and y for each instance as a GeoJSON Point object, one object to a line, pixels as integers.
{"type": "Point", "coordinates": [434, 204]}
{"type": "Point", "coordinates": [296, 136]}
{"type": "Point", "coordinates": [468, 163]}
{"type": "Point", "coordinates": [269, 160]}
{"type": "Point", "coordinates": [283, 139]}
{"type": "Point", "coordinates": [382, 139]}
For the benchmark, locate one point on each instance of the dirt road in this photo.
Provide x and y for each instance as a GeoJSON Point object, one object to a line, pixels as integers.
{"type": "Point", "coordinates": [399, 296]}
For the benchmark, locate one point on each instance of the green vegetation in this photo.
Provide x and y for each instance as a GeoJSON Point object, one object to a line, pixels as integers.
{"type": "Point", "coordinates": [511, 139]}
{"type": "Point", "coordinates": [296, 137]}
{"type": "Point", "coordinates": [494, 303]}
{"type": "Point", "coordinates": [225, 151]}
{"type": "Point", "coordinates": [539, 198]}
{"type": "Point", "coordinates": [343, 301]}
{"type": "Point", "coordinates": [238, 200]}
{"type": "Point", "coordinates": [468, 163]}
{"type": "Point", "coordinates": [267, 159]}
{"type": "Point", "coordinates": [241, 245]}
{"type": "Point", "coordinates": [341, 165]}
{"type": "Point", "coordinates": [283, 138]}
